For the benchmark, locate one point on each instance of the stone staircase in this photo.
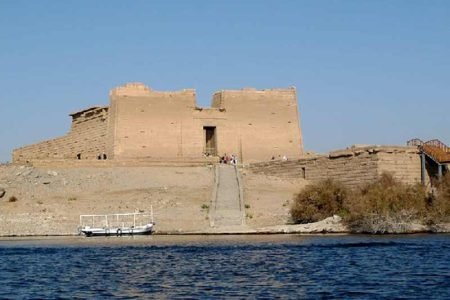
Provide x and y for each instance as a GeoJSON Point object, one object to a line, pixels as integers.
{"type": "Point", "coordinates": [228, 210]}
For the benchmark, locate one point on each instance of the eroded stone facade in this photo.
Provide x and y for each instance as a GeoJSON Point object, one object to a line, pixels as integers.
{"type": "Point", "coordinates": [353, 167]}
{"type": "Point", "coordinates": [141, 123]}
{"type": "Point", "coordinates": [86, 139]}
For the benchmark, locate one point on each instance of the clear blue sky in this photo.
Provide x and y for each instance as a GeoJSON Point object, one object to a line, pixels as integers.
{"type": "Point", "coordinates": [366, 72]}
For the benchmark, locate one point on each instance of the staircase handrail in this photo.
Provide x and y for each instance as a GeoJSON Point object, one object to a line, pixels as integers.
{"type": "Point", "coordinates": [435, 149]}
{"type": "Point", "coordinates": [415, 142]}
{"type": "Point", "coordinates": [437, 143]}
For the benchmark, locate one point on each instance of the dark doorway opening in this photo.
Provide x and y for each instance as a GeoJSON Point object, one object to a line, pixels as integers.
{"type": "Point", "coordinates": [210, 140]}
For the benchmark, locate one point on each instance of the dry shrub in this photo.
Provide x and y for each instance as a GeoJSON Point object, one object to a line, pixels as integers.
{"type": "Point", "coordinates": [385, 201]}
{"type": "Point", "coordinates": [400, 222]}
{"type": "Point", "coordinates": [384, 206]}
{"type": "Point", "coordinates": [12, 199]}
{"type": "Point", "coordinates": [439, 202]}
{"type": "Point", "coordinates": [318, 201]}
{"type": "Point", "coordinates": [443, 187]}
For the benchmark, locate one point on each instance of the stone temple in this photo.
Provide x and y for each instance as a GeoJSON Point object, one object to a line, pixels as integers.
{"type": "Point", "coordinates": [140, 123]}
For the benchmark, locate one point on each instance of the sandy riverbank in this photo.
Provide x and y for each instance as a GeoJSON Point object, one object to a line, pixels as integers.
{"type": "Point", "coordinates": [49, 201]}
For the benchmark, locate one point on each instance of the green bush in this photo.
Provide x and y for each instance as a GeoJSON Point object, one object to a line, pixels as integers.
{"type": "Point", "coordinates": [319, 201]}
{"type": "Point", "coordinates": [383, 206]}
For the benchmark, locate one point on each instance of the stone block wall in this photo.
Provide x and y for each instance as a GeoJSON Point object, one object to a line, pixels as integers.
{"type": "Point", "coordinates": [260, 123]}
{"type": "Point", "coordinates": [353, 167]}
{"type": "Point", "coordinates": [252, 124]}
{"type": "Point", "coordinates": [142, 123]}
{"type": "Point", "coordinates": [405, 166]}
{"type": "Point", "coordinates": [153, 124]}
{"type": "Point", "coordinates": [87, 137]}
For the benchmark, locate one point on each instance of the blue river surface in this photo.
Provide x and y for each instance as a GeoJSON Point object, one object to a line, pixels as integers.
{"type": "Point", "coordinates": [211, 267]}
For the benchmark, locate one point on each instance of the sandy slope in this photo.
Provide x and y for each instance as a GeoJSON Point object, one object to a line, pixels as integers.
{"type": "Point", "coordinates": [268, 198]}
{"type": "Point", "coordinates": [49, 201]}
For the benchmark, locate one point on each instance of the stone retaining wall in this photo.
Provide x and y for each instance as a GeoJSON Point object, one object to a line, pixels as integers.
{"type": "Point", "coordinates": [353, 167]}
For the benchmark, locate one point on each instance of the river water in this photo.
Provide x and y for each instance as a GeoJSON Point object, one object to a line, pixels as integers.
{"type": "Point", "coordinates": [281, 266]}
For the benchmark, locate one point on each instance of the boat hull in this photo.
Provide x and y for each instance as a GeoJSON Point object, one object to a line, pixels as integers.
{"type": "Point", "coordinates": [142, 230]}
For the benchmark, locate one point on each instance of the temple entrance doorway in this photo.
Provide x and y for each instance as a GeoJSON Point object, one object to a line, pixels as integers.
{"type": "Point", "coordinates": [210, 140]}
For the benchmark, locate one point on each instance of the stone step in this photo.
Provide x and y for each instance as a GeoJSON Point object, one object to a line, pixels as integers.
{"type": "Point", "coordinates": [228, 211]}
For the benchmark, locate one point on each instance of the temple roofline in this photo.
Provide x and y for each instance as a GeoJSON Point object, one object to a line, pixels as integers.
{"type": "Point", "coordinates": [88, 109]}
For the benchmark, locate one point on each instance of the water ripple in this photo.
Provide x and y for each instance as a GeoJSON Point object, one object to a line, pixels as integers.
{"type": "Point", "coordinates": [357, 267]}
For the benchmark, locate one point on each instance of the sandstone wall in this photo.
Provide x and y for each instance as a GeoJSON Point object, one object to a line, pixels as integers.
{"type": "Point", "coordinates": [141, 123]}
{"type": "Point", "coordinates": [260, 124]}
{"type": "Point", "coordinates": [353, 167]}
{"type": "Point", "coordinates": [404, 165]}
{"type": "Point", "coordinates": [87, 137]}
{"type": "Point", "coordinates": [153, 124]}
{"type": "Point", "coordinates": [254, 125]}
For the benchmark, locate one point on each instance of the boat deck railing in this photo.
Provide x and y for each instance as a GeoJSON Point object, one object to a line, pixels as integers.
{"type": "Point", "coordinates": [122, 220]}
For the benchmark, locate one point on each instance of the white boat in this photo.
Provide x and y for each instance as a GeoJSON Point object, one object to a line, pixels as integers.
{"type": "Point", "coordinates": [116, 224]}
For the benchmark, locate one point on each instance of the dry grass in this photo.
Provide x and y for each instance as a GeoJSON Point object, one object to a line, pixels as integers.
{"type": "Point", "coordinates": [400, 222]}
{"type": "Point", "coordinates": [384, 206]}
{"type": "Point", "coordinates": [439, 202]}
